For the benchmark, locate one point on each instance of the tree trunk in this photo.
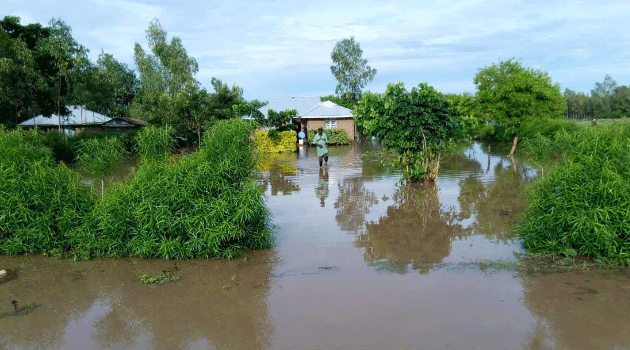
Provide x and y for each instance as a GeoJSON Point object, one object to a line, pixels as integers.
{"type": "Point", "coordinates": [511, 155]}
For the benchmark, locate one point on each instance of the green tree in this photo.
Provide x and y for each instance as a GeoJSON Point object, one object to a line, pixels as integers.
{"type": "Point", "coordinates": [112, 86]}
{"type": "Point", "coordinates": [620, 102]}
{"type": "Point", "coordinates": [601, 97]}
{"type": "Point", "coordinates": [223, 100]}
{"type": "Point", "coordinates": [70, 63]}
{"type": "Point", "coordinates": [24, 68]}
{"type": "Point", "coordinates": [350, 69]}
{"type": "Point", "coordinates": [419, 126]}
{"type": "Point", "coordinates": [508, 93]}
{"type": "Point", "coordinates": [281, 121]}
{"type": "Point", "coordinates": [578, 104]}
{"type": "Point", "coordinates": [163, 76]}
{"type": "Point", "coordinates": [464, 106]}
{"type": "Point", "coordinates": [345, 101]}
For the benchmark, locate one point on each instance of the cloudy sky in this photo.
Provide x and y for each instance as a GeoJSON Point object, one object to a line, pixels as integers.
{"type": "Point", "coordinates": [282, 48]}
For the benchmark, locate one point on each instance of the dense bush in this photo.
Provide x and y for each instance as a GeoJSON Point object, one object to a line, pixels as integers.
{"type": "Point", "coordinates": [336, 136]}
{"type": "Point", "coordinates": [419, 125]}
{"type": "Point", "coordinates": [98, 156]}
{"type": "Point", "coordinates": [202, 206]}
{"type": "Point", "coordinates": [40, 201]}
{"type": "Point", "coordinates": [582, 206]}
{"type": "Point", "coordinates": [283, 143]}
{"type": "Point", "coordinates": [153, 142]}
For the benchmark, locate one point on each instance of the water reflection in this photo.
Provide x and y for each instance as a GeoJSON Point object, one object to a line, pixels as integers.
{"type": "Point", "coordinates": [578, 310]}
{"type": "Point", "coordinates": [495, 205]}
{"type": "Point", "coordinates": [416, 231]}
{"type": "Point", "coordinates": [277, 171]}
{"type": "Point", "coordinates": [322, 186]}
{"type": "Point", "coordinates": [353, 204]}
{"type": "Point", "coordinates": [100, 304]}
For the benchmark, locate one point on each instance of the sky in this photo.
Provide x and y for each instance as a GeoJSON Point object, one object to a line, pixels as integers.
{"type": "Point", "coordinates": [282, 48]}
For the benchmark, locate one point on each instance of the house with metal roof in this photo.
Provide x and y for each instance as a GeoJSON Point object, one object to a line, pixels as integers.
{"type": "Point", "coordinates": [329, 115]}
{"type": "Point", "coordinates": [78, 120]}
{"type": "Point", "coordinates": [313, 113]}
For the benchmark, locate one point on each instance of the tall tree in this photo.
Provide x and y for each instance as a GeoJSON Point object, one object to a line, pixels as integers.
{"type": "Point", "coordinates": [350, 69]}
{"type": "Point", "coordinates": [23, 87]}
{"type": "Point", "coordinates": [223, 99]}
{"type": "Point", "coordinates": [507, 93]}
{"type": "Point", "coordinates": [70, 64]}
{"type": "Point", "coordinates": [163, 75]}
{"type": "Point", "coordinates": [111, 87]}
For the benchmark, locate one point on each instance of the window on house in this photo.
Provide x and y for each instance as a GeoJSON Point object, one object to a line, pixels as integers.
{"type": "Point", "coordinates": [331, 123]}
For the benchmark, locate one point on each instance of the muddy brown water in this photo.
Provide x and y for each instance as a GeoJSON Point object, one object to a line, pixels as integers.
{"type": "Point", "coordinates": [360, 262]}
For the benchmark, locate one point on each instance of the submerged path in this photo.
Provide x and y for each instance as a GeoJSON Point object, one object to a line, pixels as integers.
{"type": "Point", "coordinates": [361, 262]}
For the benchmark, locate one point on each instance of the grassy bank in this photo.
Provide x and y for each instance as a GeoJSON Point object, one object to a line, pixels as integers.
{"type": "Point", "coordinates": [581, 206]}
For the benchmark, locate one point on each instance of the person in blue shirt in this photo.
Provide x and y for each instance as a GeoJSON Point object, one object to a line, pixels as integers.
{"type": "Point", "coordinates": [302, 137]}
{"type": "Point", "coordinates": [320, 141]}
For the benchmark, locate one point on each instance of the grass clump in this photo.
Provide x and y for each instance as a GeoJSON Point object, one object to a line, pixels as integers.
{"type": "Point", "coordinates": [205, 205]}
{"type": "Point", "coordinates": [40, 200]}
{"type": "Point", "coordinates": [581, 207]}
{"type": "Point", "coordinates": [161, 278]}
{"type": "Point", "coordinates": [154, 142]}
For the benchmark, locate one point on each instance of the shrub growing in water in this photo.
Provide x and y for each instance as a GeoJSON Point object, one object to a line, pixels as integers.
{"type": "Point", "coordinates": [336, 136]}
{"type": "Point", "coordinates": [419, 125]}
{"type": "Point", "coordinates": [40, 201]}
{"type": "Point", "coordinates": [202, 206]}
{"type": "Point", "coordinates": [154, 142]}
{"type": "Point", "coordinates": [581, 206]}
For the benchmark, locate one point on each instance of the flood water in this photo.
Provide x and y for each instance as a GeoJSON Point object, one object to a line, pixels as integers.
{"type": "Point", "coordinates": [361, 261]}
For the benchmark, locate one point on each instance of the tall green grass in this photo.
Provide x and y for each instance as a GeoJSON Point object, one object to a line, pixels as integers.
{"type": "Point", "coordinates": [153, 143]}
{"type": "Point", "coordinates": [40, 201]}
{"type": "Point", "coordinates": [582, 205]}
{"type": "Point", "coordinates": [202, 206]}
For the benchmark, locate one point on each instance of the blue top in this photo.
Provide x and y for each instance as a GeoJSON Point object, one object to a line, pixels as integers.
{"type": "Point", "coordinates": [301, 134]}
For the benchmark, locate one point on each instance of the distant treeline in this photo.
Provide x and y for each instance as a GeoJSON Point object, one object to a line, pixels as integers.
{"type": "Point", "coordinates": [606, 100]}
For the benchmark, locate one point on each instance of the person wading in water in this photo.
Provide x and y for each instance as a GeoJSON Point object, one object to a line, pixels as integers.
{"type": "Point", "coordinates": [320, 141]}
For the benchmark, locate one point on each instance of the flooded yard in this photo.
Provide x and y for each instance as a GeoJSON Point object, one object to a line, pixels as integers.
{"type": "Point", "coordinates": [361, 261]}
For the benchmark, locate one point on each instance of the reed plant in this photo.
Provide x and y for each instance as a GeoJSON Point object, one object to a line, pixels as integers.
{"type": "Point", "coordinates": [202, 206]}
{"type": "Point", "coordinates": [154, 142]}
{"type": "Point", "coordinates": [582, 205]}
{"type": "Point", "coordinates": [40, 201]}
{"type": "Point", "coordinates": [99, 156]}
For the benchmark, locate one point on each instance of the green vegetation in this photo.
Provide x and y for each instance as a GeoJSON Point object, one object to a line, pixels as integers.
{"type": "Point", "coordinates": [350, 70]}
{"type": "Point", "coordinates": [336, 136]}
{"type": "Point", "coordinates": [41, 200]}
{"type": "Point", "coordinates": [161, 278]}
{"type": "Point", "coordinates": [283, 142]}
{"type": "Point", "coordinates": [99, 156]}
{"type": "Point", "coordinates": [418, 125]}
{"type": "Point", "coordinates": [43, 70]}
{"type": "Point", "coordinates": [205, 205]}
{"type": "Point", "coordinates": [606, 100]}
{"type": "Point", "coordinates": [508, 94]}
{"type": "Point", "coordinates": [580, 207]}
{"type": "Point", "coordinates": [153, 143]}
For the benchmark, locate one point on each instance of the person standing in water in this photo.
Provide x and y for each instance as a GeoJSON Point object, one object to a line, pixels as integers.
{"type": "Point", "coordinates": [320, 141]}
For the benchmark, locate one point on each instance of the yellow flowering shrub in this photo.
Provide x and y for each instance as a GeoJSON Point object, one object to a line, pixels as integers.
{"type": "Point", "coordinates": [285, 143]}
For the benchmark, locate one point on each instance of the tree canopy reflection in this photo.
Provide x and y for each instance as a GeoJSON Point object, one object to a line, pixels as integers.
{"type": "Point", "coordinates": [415, 232]}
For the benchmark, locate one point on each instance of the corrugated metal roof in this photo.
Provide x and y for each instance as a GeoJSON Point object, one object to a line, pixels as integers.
{"type": "Point", "coordinates": [327, 109]}
{"type": "Point", "coordinates": [78, 116]}
{"type": "Point", "coordinates": [301, 104]}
